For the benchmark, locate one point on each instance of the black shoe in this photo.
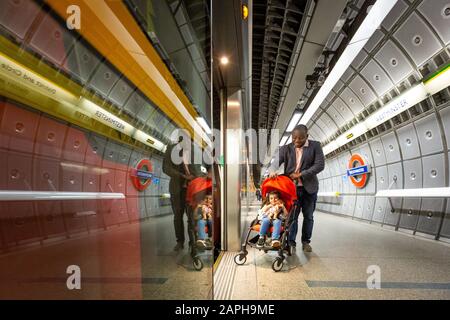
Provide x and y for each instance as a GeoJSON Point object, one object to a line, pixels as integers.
{"type": "Point", "coordinates": [261, 242]}
{"type": "Point", "coordinates": [179, 246]}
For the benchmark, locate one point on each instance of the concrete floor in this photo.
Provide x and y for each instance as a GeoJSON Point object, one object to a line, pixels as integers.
{"type": "Point", "coordinates": [136, 261]}
{"type": "Point", "coordinates": [132, 261]}
{"type": "Point", "coordinates": [343, 249]}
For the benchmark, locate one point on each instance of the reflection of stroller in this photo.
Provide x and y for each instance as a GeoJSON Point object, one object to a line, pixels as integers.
{"type": "Point", "coordinates": [288, 194]}
{"type": "Point", "coordinates": [196, 191]}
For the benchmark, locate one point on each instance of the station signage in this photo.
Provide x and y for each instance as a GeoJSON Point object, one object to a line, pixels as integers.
{"type": "Point", "coordinates": [358, 170]}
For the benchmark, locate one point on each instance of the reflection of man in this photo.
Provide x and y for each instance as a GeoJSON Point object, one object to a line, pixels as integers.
{"type": "Point", "coordinates": [180, 175]}
{"type": "Point", "coordinates": [303, 159]}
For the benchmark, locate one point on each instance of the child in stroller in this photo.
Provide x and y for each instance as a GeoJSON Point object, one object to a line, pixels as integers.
{"type": "Point", "coordinates": [199, 198]}
{"type": "Point", "coordinates": [204, 215]}
{"type": "Point", "coordinates": [280, 188]}
{"type": "Point", "coordinates": [272, 213]}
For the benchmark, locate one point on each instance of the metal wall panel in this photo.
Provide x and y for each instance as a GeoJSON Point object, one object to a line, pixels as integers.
{"type": "Point", "coordinates": [429, 135]}
{"type": "Point", "coordinates": [359, 207]}
{"type": "Point", "coordinates": [413, 173]}
{"type": "Point", "coordinates": [394, 61]}
{"type": "Point", "coordinates": [18, 128]}
{"type": "Point", "coordinates": [394, 170]}
{"type": "Point", "coordinates": [394, 14]}
{"type": "Point", "coordinates": [120, 92]}
{"type": "Point", "coordinates": [377, 77]}
{"type": "Point", "coordinates": [81, 62]}
{"type": "Point", "coordinates": [391, 148]}
{"type": "Point", "coordinates": [382, 178]}
{"type": "Point", "coordinates": [369, 205]}
{"type": "Point", "coordinates": [75, 145]}
{"type": "Point", "coordinates": [410, 214]}
{"type": "Point", "coordinates": [445, 231]}
{"type": "Point", "coordinates": [52, 41]}
{"type": "Point", "coordinates": [18, 24]}
{"type": "Point", "coordinates": [408, 142]}
{"type": "Point", "coordinates": [50, 138]}
{"type": "Point", "coordinates": [374, 40]}
{"type": "Point", "coordinates": [362, 89]}
{"type": "Point", "coordinates": [430, 217]}
{"type": "Point", "coordinates": [417, 39]}
{"type": "Point", "coordinates": [445, 117]}
{"type": "Point", "coordinates": [352, 101]}
{"type": "Point", "coordinates": [378, 152]}
{"type": "Point", "coordinates": [433, 171]}
{"type": "Point", "coordinates": [380, 209]}
{"type": "Point", "coordinates": [19, 172]}
{"type": "Point", "coordinates": [134, 104]}
{"type": "Point", "coordinates": [46, 174]}
{"type": "Point", "coordinates": [95, 150]}
{"type": "Point", "coordinates": [335, 115]}
{"type": "Point", "coordinates": [436, 12]}
{"type": "Point", "coordinates": [103, 79]}
{"type": "Point", "coordinates": [346, 113]}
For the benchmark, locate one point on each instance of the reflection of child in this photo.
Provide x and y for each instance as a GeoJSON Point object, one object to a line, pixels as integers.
{"type": "Point", "coordinates": [205, 216]}
{"type": "Point", "coordinates": [272, 214]}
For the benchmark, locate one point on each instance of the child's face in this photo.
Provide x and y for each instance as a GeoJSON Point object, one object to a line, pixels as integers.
{"type": "Point", "coordinates": [273, 199]}
{"type": "Point", "coordinates": [208, 200]}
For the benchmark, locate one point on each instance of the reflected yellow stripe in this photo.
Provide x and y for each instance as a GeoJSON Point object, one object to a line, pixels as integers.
{"type": "Point", "coordinates": [109, 27]}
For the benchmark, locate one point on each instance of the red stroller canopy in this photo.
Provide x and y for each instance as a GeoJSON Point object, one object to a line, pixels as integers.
{"type": "Point", "coordinates": [197, 190]}
{"type": "Point", "coordinates": [284, 185]}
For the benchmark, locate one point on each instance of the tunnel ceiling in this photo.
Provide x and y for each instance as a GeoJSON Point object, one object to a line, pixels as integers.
{"type": "Point", "coordinates": [411, 43]}
{"type": "Point", "coordinates": [276, 27]}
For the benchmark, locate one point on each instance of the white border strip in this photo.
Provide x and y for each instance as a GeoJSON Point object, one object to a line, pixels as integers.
{"type": "Point", "coordinates": [57, 195]}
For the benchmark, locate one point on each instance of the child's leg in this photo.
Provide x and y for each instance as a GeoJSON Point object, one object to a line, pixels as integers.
{"type": "Point", "coordinates": [276, 229]}
{"type": "Point", "coordinates": [265, 224]}
{"type": "Point", "coordinates": [209, 224]}
{"type": "Point", "coordinates": [201, 229]}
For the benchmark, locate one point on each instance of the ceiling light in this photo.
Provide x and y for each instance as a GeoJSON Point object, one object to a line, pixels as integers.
{"type": "Point", "coordinates": [294, 121]}
{"type": "Point", "coordinates": [224, 61]}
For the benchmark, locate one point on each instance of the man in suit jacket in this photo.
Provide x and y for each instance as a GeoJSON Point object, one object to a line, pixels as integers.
{"type": "Point", "coordinates": [303, 159]}
{"type": "Point", "coordinates": [180, 175]}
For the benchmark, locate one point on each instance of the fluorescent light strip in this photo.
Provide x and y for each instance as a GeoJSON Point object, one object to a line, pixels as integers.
{"type": "Point", "coordinates": [204, 125]}
{"type": "Point", "coordinates": [82, 105]}
{"type": "Point", "coordinates": [295, 119]}
{"type": "Point", "coordinates": [375, 17]}
{"type": "Point", "coordinates": [401, 103]}
{"type": "Point", "coordinates": [283, 141]}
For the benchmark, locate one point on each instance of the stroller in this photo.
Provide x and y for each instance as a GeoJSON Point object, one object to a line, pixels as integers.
{"type": "Point", "coordinates": [196, 192]}
{"type": "Point", "coordinates": [288, 194]}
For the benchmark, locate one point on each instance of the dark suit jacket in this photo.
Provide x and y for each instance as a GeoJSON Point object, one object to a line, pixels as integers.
{"type": "Point", "coordinates": [313, 162]}
{"type": "Point", "coordinates": [176, 171]}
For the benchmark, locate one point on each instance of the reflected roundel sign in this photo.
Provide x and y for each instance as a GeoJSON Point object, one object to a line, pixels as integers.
{"type": "Point", "coordinates": [142, 175]}
{"type": "Point", "coordinates": [358, 170]}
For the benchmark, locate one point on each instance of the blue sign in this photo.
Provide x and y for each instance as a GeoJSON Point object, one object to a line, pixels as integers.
{"type": "Point", "coordinates": [155, 180]}
{"type": "Point", "coordinates": [357, 171]}
{"type": "Point", "coordinates": [144, 174]}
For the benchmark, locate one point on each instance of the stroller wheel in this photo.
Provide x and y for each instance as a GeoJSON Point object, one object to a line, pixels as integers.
{"type": "Point", "coordinates": [277, 265]}
{"type": "Point", "coordinates": [197, 263]}
{"type": "Point", "coordinates": [240, 259]}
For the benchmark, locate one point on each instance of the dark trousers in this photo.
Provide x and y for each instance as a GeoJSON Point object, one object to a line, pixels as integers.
{"type": "Point", "coordinates": [178, 201]}
{"type": "Point", "coordinates": [306, 202]}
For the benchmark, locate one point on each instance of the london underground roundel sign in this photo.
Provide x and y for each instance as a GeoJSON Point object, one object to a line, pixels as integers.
{"type": "Point", "coordinates": [142, 175]}
{"type": "Point", "coordinates": [358, 170]}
